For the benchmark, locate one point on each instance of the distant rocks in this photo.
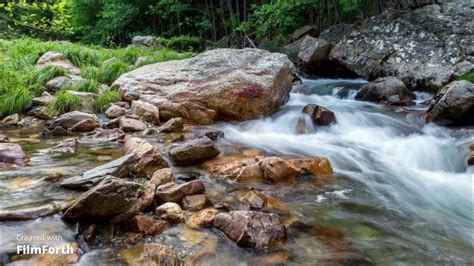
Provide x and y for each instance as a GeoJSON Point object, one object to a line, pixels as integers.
{"type": "Point", "coordinates": [220, 84]}
{"type": "Point", "coordinates": [146, 41]}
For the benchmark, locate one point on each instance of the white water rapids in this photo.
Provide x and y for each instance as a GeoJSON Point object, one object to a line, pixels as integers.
{"type": "Point", "coordinates": [418, 170]}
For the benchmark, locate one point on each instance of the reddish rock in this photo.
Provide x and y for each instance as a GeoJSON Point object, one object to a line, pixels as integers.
{"type": "Point", "coordinates": [172, 192]}
{"type": "Point", "coordinates": [202, 218]}
{"type": "Point", "coordinates": [277, 170]}
{"type": "Point", "coordinates": [146, 224]}
{"type": "Point", "coordinates": [194, 202]}
{"type": "Point", "coordinates": [150, 158]}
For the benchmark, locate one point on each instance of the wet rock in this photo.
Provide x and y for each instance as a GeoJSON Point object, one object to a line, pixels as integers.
{"type": "Point", "coordinates": [42, 100]}
{"type": "Point", "coordinates": [320, 115]}
{"type": "Point", "coordinates": [112, 199]}
{"type": "Point", "coordinates": [276, 258]}
{"type": "Point", "coordinates": [193, 152]}
{"type": "Point", "coordinates": [111, 124]}
{"type": "Point", "coordinates": [313, 52]}
{"type": "Point", "coordinates": [4, 139]}
{"type": "Point", "coordinates": [146, 224]}
{"type": "Point", "coordinates": [260, 201]}
{"type": "Point", "coordinates": [29, 213]}
{"type": "Point", "coordinates": [262, 231]}
{"type": "Point", "coordinates": [41, 112]}
{"type": "Point", "coordinates": [149, 158]}
{"type": "Point", "coordinates": [146, 111]}
{"type": "Point", "coordinates": [115, 111]}
{"type": "Point", "coordinates": [453, 105]}
{"type": "Point", "coordinates": [278, 170]}
{"type": "Point", "coordinates": [54, 177]}
{"type": "Point", "coordinates": [30, 122]}
{"type": "Point", "coordinates": [209, 86]}
{"type": "Point", "coordinates": [397, 44]}
{"type": "Point", "coordinates": [69, 145]}
{"type": "Point", "coordinates": [119, 168]}
{"type": "Point", "coordinates": [170, 212]}
{"type": "Point", "coordinates": [194, 202]}
{"type": "Point", "coordinates": [162, 176]}
{"type": "Point", "coordinates": [318, 166]}
{"type": "Point", "coordinates": [151, 254]}
{"type": "Point", "coordinates": [57, 59]}
{"type": "Point", "coordinates": [174, 125]}
{"type": "Point", "coordinates": [11, 120]}
{"type": "Point", "coordinates": [80, 121]}
{"type": "Point", "coordinates": [173, 137]}
{"type": "Point", "coordinates": [309, 30]}
{"type": "Point", "coordinates": [172, 192]}
{"type": "Point", "coordinates": [12, 153]}
{"type": "Point", "coordinates": [382, 89]}
{"type": "Point", "coordinates": [146, 41]}
{"type": "Point", "coordinates": [57, 131]}
{"type": "Point", "coordinates": [131, 125]}
{"type": "Point", "coordinates": [65, 258]}
{"type": "Point", "coordinates": [107, 135]}
{"type": "Point", "coordinates": [203, 218]}
{"type": "Point", "coordinates": [215, 135]}
{"type": "Point", "coordinates": [90, 233]}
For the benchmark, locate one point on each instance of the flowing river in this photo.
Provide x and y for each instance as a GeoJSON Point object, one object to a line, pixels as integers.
{"type": "Point", "coordinates": [402, 192]}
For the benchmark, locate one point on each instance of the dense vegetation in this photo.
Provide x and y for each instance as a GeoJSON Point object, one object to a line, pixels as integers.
{"type": "Point", "coordinates": [20, 80]}
{"type": "Point", "coordinates": [183, 24]}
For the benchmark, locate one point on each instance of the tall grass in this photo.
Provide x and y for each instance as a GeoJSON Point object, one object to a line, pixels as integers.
{"type": "Point", "coordinates": [20, 80]}
{"type": "Point", "coordinates": [106, 98]}
{"type": "Point", "coordinates": [65, 102]}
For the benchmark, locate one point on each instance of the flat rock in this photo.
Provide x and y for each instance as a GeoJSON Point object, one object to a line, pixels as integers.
{"type": "Point", "coordinates": [193, 152]}
{"type": "Point", "coordinates": [172, 192]}
{"type": "Point", "coordinates": [29, 213]}
{"type": "Point", "coordinates": [131, 125]}
{"type": "Point", "coordinates": [220, 84]}
{"type": "Point", "coordinates": [69, 145]}
{"type": "Point", "coordinates": [174, 125]}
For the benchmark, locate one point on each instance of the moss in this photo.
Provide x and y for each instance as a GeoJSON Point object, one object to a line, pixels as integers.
{"type": "Point", "coordinates": [106, 98]}
{"type": "Point", "coordinates": [469, 76]}
{"type": "Point", "coordinates": [64, 102]}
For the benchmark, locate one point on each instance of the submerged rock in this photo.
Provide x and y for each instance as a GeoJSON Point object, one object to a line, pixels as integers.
{"type": "Point", "coordinates": [221, 84]}
{"type": "Point", "coordinates": [453, 105]}
{"type": "Point", "coordinates": [12, 153]}
{"type": "Point", "coordinates": [170, 212]}
{"type": "Point", "coordinates": [193, 152]}
{"type": "Point", "coordinates": [320, 115]}
{"type": "Point", "coordinates": [69, 145]}
{"type": "Point", "coordinates": [29, 213]}
{"type": "Point", "coordinates": [151, 254]}
{"type": "Point", "coordinates": [262, 231]}
{"type": "Point", "coordinates": [112, 199]}
{"type": "Point", "coordinates": [194, 202]}
{"type": "Point", "coordinates": [202, 218]}
{"type": "Point", "coordinates": [382, 89]}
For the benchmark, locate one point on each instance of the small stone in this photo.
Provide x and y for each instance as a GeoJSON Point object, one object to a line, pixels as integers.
{"type": "Point", "coordinates": [194, 202]}
{"type": "Point", "coordinates": [115, 111]}
{"type": "Point", "coordinates": [54, 177]}
{"type": "Point", "coordinates": [161, 176]}
{"type": "Point", "coordinates": [174, 125]}
{"type": "Point", "coordinates": [146, 111]}
{"type": "Point", "coordinates": [11, 120]}
{"type": "Point", "coordinates": [146, 224]}
{"type": "Point", "coordinates": [4, 139]}
{"type": "Point", "coordinates": [173, 137]}
{"type": "Point", "coordinates": [131, 125]}
{"type": "Point", "coordinates": [319, 114]}
{"type": "Point", "coordinates": [276, 170]}
{"type": "Point", "coordinates": [41, 112]}
{"type": "Point", "coordinates": [214, 135]}
{"type": "Point", "coordinates": [170, 212]}
{"type": "Point", "coordinates": [202, 218]}
{"type": "Point", "coordinates": [85, 125]}
{"type": "Point", "coordinates": [194, 152]}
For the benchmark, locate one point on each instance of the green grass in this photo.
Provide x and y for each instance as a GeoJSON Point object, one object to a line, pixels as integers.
{"type": "Point", "coordinates": [106, 98]}
{"type": "Point", "coordinates": [20, 80]}
{"type": "Point", "coordinates": [65, 102]}
{"type": "Point", "coordinates": [87, 85]}
{"type": "Point", "coordinates": [469, 76]}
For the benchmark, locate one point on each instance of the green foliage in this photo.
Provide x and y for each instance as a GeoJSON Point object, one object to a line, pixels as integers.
{"type": "Point", "coordinates": [64, 102]}
{"type": "Point", "coordinates": [14, 100]}
{"type": "Point", "coordinates": [469, 76]}
{"type": "Point", "coordinates": [36, 18]}
{"type": "Point", "coordinates": [88, 85]}
{"type": "Point", "coordinates": [183, 43]}
{"type": "Point", "coordinates": [106, 98]}
{"type": "Point", "coordinates": [49, 72]}
{"type": "Point", "coordinates": [109, 72]}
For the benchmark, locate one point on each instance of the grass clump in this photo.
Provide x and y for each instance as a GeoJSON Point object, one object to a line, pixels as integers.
{"type": "Point", "coordinates": [64, 102]}
{"type": "Point", "coordinates": [106, 98]}
{"type": "Point", "coordinates": [87, 85]}
{"type": "Point", "coordinates": [469, 76]}
{"type": "Point", "coordinates": [108, 73]}
{"type": "Point", "coordinates": [49, 72]}
{"type": "Point", "coordinates": [14, 100]}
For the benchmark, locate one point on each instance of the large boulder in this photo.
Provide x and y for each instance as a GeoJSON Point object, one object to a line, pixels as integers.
{"type": "Point", "coordinates": [313, 52]}
{"type": "Point", "coordinates": [194, 152]}
{"type": "Point", "coordinates": [262, 231]}
{"type": "Point", "coordinates": [112, 199]}
{"type": "Point", "coordinates": [221, 84]}
{"type": "Point", "coordinates": [57, 59]}
{"type": "Point", "coordinates": [12, 153]}
{"type": "Point", "coordinates": [453, 105]}
{"type": "Point", "coordinates": [385, 89]}
{"type": "Point", "coordinates": [425, 47]}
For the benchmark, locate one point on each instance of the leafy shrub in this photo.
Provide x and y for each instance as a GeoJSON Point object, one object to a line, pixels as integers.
{"type": "Point", "coordinates": [183, 43]}
{"type": "Point", "coordinates": [106, 98]}
{"type": "Point", "coordinates": [64, 102]}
